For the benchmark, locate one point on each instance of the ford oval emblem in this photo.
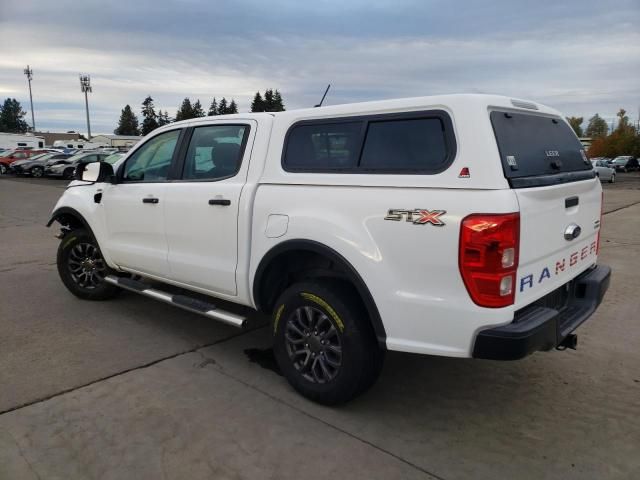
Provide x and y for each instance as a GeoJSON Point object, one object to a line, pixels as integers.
{"type": "Point", "coordinates": [572, 232]}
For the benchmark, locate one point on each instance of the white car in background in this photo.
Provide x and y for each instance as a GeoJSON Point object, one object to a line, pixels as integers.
{"type": "Point", "coordinates": [603, 171]}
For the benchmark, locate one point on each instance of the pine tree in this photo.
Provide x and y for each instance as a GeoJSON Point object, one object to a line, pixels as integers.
{"type": "Point", "coordinates": [278, 105]}
{"type": "Point", "coordinates": [213, 108]}
{"type": "Point", "coordinates": [197, 110]}
{"type": "Point", "coordinates": [128, 123]}
{"type": "Point", "coordinates": [257, 105]}
{"type": "Point", "coordinates": [150, 121]}
{"type": "Point", "coordinates": [597, 127]}
{"type": "Point", "coordinates": [233, 107]}
{"type": "Point", "coordinates": [163, 118]}
{"type": "Point", "coordinates": [222, 107]}
{"type": "Point", "coordinates": [185, 111]}
{"type": "Point", "coordinates": [12, 117]}
{"type": "Point", "coordinates": [268, 101]}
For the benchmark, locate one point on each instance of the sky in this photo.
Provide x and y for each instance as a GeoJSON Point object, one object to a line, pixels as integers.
{"type": "Point", "coordinates": [580, 57]}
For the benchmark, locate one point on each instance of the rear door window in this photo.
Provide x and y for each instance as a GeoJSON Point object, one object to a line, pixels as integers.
{"type": "Point", "coordinates": [533, 145]}
{"type": "Point", "coordinates": [215, 152]}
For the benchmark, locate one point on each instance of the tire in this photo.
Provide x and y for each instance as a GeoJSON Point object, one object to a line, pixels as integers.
{"type": "Point", "coordinates": [68, 173]}
{"type": "Point", "coordinates": [37, 172]}
{"type": "Point", "coordinates": [82, 268]}
{"type": "Point", "coordinates": [324, 342]}
{"type": "Point", "coordinates": [3, 169]}
{"type": "Point", "coordinates": [613, 178]}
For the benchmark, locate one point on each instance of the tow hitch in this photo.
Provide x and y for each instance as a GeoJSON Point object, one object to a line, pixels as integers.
{"type": "Point", "coordinates": [570, 341]}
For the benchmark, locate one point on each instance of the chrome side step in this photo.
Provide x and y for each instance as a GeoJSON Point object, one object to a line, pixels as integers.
{"type": "Point", "coordinates": [181, 301]}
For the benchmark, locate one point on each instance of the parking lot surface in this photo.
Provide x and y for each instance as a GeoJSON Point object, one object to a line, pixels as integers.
{"type": "Point", "coordinates": [133, 388]}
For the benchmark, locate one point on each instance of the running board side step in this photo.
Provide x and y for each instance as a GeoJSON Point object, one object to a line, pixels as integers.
{"type": "Point", "coordinates": [181, 301]}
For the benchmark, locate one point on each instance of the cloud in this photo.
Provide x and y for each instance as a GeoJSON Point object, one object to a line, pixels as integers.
{"type": "Point", "coordinates": [580, 57]}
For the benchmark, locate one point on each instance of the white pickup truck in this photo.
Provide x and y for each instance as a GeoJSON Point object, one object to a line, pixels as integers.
{"type": "Point", "coordinates": [458, 225]}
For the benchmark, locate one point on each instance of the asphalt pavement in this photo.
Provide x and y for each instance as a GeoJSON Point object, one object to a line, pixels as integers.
{"type": "Point", "coordinates": [133, 388]}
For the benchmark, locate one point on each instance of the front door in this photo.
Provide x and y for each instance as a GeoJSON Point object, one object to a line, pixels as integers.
{"type": "Point", "coordinates": [201, 210]}
{"type": "Point", "coordinates": [134, 207]}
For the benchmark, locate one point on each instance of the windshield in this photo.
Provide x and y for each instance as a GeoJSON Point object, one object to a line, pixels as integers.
{"type": "Point", "coordinates": [533, 145]}
{"type": "Point", "coordinates": [621, 160]}
{"type": "Point", "coordinates": [7, 153]}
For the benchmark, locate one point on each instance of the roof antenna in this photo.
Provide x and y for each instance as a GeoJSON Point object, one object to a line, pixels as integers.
{"type": "Point", "coordinates": [325, 94]}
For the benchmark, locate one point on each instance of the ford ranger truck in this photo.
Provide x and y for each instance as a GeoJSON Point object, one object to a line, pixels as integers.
{"type": "Point", "coordinates": [457, 225]}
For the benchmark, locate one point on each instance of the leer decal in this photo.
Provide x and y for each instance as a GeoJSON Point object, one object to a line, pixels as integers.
{"type": "Point", "coordinates": [417, 216]}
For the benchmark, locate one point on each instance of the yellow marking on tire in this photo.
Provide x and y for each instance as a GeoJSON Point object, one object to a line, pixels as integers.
{"type": "Point", "coordinates": [68, 241]}
{"type": "Point", "coordinates": [326, 306]}
{"type": "Point", "coordinates": [277, 319]}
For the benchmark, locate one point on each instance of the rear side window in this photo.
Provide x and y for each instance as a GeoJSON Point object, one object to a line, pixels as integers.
{"type": "Point", "coordinates": [532, 145]}
{"type": "Point", "coordinates": [415, 145]}
{"type": "Point", "coordinates": [421, 142]}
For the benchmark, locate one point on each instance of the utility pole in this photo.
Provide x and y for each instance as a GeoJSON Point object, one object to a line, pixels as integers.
{"type": "Point", "coordinates": [85, 86]}
{"type": "Point", "coordinates": [29, 73]}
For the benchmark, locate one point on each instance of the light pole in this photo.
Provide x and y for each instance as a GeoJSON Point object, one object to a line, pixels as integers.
{"type": "Point", "coordinates": [85, 86]}
{"type": "Point", "coordinates": [29, 73]}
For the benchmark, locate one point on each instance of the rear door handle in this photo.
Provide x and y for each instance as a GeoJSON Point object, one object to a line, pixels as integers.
{"type": "Point", "coordinates": [220, 201]}
{"type": "Point", "coordinates": [150, 200]}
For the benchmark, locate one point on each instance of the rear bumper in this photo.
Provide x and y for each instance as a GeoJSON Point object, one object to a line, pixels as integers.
{"type": "Point", "coordinates": [539, 327]}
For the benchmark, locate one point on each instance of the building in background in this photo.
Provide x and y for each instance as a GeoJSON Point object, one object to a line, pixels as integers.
{"type": "Point", "coordinates": [123, 142]}
{"type": "Point", "coordinates": [50, 138]}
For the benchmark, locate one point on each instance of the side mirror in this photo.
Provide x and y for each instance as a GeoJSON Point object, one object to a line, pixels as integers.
{"type": "Point", "coordinates": [96, 172]}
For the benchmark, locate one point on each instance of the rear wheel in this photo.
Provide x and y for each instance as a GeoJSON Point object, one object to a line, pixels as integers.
{"type": "Point", "coordinates": [3, 169]}
{"type": "Point", "coordinates": [37, 172]}
{"type": "Point", "coordinates": [324, 343]}
{"type": "Point", "coordinates": [68, 173]}
{"type": "Point", "coordinates": [82, 268]}
{"type": "Point", "coordinates": [613, 178]}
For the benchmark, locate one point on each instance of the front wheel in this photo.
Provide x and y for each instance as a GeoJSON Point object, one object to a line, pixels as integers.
{"type": "Point", "coordinates": [82, 268]}
{"type": "Point", "coordinates": [324, 343]}
{"type": "Point", "coordinates": [612, 179]}
{"type": "Point", "coordinates": [68, 174]}
{"type": "Point", "coordinates": [3, 169]}
{"type": "Point", "coordinates": [37, 172]}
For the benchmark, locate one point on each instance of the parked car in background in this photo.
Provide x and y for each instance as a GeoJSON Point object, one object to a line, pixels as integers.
{"type": "Point", "coordinates": [604, 171]}
{"type": "Point", "coordinates": [35, 166]}
{"type": "Point", "coordinates": [66, 168]}
{"type": "Point", "coordinates": [625, 163]}
{"type": "Point", "coordinates": [7, 159]}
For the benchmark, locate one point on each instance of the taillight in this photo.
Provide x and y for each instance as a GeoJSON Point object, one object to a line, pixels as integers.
{"type": "Point", "coordinates": [488, 257]}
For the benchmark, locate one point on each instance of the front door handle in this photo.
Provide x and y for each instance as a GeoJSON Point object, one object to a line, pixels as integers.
{"type": "Point", "coordinates": [220, 201]}
{"type": "Point", "coordinates": [150, 200]}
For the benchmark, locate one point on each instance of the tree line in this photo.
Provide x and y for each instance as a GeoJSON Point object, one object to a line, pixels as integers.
{"type": "Point", "coordinates": [128, 123]}
{"type": "Point", "coordinates": [623, 140]}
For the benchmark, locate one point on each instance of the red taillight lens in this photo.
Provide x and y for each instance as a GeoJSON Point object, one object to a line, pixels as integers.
{"type": "Point", "coordinates": [488, 257]}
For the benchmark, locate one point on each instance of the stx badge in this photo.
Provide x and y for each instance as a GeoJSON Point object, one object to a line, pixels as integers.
{"type": "Point", "coordinates": [418, 216]}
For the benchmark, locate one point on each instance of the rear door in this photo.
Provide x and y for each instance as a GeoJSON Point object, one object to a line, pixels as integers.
{"type": "Point", "coordinates": [559, 198]}
{"type": "Point", "coordinates": [202, 206]}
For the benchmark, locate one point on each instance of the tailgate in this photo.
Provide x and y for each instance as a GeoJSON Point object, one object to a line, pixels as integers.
{"type": "Point", "coordinates": [559, 198]}
{"type": "Point", "coordinates": [549, 255]}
